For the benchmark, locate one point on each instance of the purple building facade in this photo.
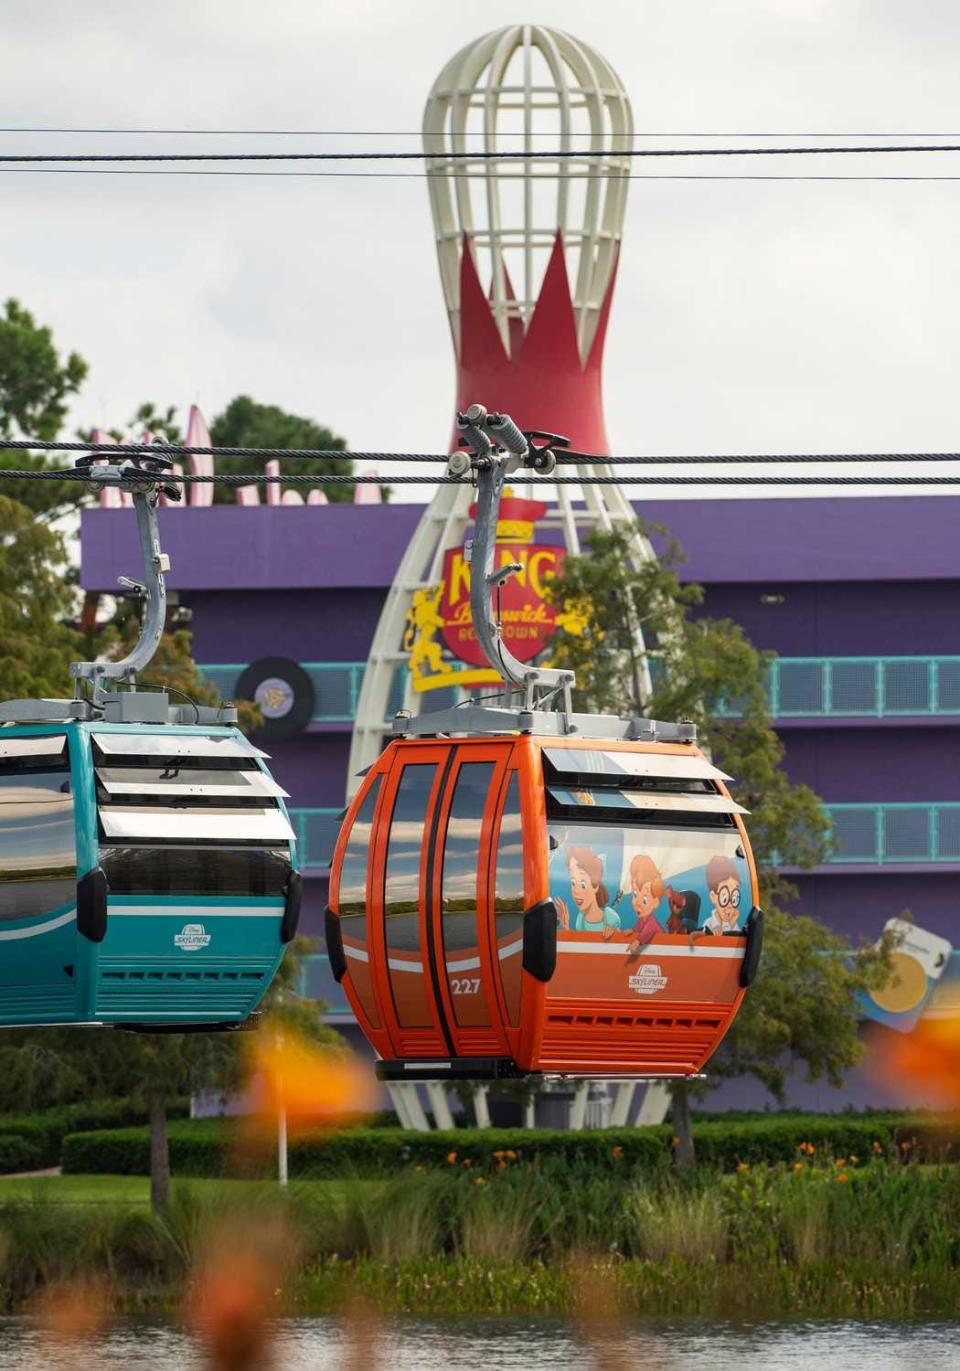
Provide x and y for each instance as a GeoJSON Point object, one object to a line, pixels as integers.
{"type": "Point", "coordinates": [857, 596]}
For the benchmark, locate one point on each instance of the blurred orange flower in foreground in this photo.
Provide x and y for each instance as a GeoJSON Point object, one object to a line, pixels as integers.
{"type": "Point", "coordinates": [929, 1056]}
{"type": "Point", "coordinates": [236, 1290]}
{"type": "Point", "coordinates": [72, 1312]}
{"type": "Point", "coordinates": [310, 1081]}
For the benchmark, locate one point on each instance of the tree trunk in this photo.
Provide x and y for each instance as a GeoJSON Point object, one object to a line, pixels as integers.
{"type": "Point", "coordinates": [684, 1155]}
{"type": "Point", "coordinates": [159, 1155]}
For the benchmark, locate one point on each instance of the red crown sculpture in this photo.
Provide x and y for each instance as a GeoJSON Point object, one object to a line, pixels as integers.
{"type": "Point", "coordinates": [542, 382]}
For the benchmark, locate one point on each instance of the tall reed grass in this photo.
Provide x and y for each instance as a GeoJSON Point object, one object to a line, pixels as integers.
{"type": "Point", "coordinates": [860, 1238]}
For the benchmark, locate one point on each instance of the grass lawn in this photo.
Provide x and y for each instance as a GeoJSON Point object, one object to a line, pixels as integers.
{"type": "Point", "coordinates": [125, 1190]}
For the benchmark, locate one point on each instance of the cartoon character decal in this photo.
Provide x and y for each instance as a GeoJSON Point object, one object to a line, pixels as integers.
{"type": "Point", "coordinates": [691, 884]}
{"type": "Point", "coordinates": [684, 906]}
{"type": "Point", "coordinates": [646, 893]}
{"type": "Point", "coordinates": [589, 895]}
{"type": "Point", "coordinates": [723, 891]}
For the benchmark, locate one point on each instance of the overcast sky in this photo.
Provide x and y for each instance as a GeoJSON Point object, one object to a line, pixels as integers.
{"type": "Point", "coordinates": [749, 315]}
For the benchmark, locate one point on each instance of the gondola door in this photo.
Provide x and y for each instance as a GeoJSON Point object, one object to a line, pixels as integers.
{"type": "Point", "coordinates": [401, 932]}
{"type": "Point", "coordinates": [465, 965]}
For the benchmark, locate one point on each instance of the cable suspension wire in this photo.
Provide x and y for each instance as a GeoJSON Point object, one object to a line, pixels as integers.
{"type": "Point", "coordinates": [528, 478]}
{"type": "Point", "coordinates": [183, 450]}
{"type": "Point", "coordinates": [609, 173]}
{"type": "Point", "coordinates": [464, 133]}
{"type": "Point", "coordinates": [477, 155]}
{"type": "Point", "coordinates": [563, 455]}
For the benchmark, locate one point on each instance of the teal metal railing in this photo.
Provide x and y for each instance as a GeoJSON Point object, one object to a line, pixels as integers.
{"type": "Point", "coordinates": [884, 834]}
{"type": "Point", "coordinates": [887, 834]}
{"type": "Point", "coordinates": [799, 687]}
{"type": "Point", "coordinates": [863, 687]}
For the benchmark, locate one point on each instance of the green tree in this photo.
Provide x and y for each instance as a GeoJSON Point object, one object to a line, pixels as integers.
{"type": "Point", "coordinates": [246, 423]}
{"type": "Point", "coordinates": [36, 648]}
{"type": "Point", "coordinates": [803, 1007]}
{"type": "Point", "coordinates": [36, 383]}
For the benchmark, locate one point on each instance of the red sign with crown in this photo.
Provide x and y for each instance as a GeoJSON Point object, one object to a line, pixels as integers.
{"type": "Point", "coordinates": [524, 610]}
{"type": "Point", "coordinates": [440, 632]}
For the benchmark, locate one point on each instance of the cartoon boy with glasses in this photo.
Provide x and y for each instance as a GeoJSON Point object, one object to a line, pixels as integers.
{"type": "Point", "coordinates": [723, 888]}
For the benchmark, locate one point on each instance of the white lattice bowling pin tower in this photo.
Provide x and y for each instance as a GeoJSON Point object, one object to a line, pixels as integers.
{"type": "Point", "coordinates": [528, 252]}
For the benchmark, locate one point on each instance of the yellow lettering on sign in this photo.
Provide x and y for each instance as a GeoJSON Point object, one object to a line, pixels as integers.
{"type": "Point", "coordinates": [459, 578]}
{"type": "Point", "coordinates": [542, 569]}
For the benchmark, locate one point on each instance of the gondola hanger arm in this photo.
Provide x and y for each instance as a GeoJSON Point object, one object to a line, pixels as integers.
{"type": "Point", "coordinates": [497, 448]}
{"type": "Point", "coordinates": [143, 478]}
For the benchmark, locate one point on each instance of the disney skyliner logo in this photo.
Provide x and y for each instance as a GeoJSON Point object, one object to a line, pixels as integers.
{"type": "Point", "coordinates": [439, 636]}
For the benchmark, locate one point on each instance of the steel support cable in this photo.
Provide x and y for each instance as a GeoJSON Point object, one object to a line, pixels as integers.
{"type": "Point", "coordinates": [135, 475]}
{"type": "Point", "coordinates": [610, 173]}
{"type": "Point", "coordinates": [184, 450]}
{"type": "Point", "coordinates": [477, 155]}
{"type": "Point", "coordinates": [563, 455]}
{"type": "Point", "coordinates": [475, 133]}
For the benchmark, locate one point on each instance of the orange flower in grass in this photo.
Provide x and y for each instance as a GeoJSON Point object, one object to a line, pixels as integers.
{"type": "Point", "coordinates": [451, 1158]}
{"type": "Point", "coordinates": [616, 1151]}
{"type": "Point", "coordinates": [843, 1178]}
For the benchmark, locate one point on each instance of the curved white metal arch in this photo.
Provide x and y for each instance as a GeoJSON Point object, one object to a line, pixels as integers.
{"type": "Point", "coordinates": [587, 98]}
{"type": "Point", "coordinates": [480, 79]}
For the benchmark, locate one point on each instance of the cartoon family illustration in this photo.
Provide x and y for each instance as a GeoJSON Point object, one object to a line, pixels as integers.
{"type": "Point", "coordinates": [593, 911]}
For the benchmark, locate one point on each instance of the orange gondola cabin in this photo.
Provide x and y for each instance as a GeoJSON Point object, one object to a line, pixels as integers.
{"type": "Point", "coordinates": [520, 889]}
{"type": "Point", "coordinates": [509, 905]}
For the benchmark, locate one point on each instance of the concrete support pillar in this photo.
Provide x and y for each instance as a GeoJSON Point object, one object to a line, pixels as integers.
{"type": "Point", "coordinates": [406, 1102]}
{"type": "Point", "coordinates": [622, 1100]}
{"type": "Point", "coordinates": [578, 1105]}
{"type": "Point", "coordinates": [655, 1103]}
{"type": "Point", "coordinates": [530, 1112]}
{"type": "Point", "coordinates": [437, 1095]}
{"type": "Point", "coordinates": [481, 1111]}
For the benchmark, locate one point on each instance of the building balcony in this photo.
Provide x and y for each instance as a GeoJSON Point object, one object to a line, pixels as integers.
{"type": "Point", "coordinates": [850, 689]}
{"type": "Point", "coordinates": [895, 834]}
{"type": "Point", "coordinates": [864, 688]}
{"type": "Point", "coordinates": [863, 835]}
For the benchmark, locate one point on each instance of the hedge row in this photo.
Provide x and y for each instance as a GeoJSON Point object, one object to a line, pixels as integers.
{"type": "Point", "coordinates": [206, 1147]}
{"type": "Point", "coordinates": [30, 1142]}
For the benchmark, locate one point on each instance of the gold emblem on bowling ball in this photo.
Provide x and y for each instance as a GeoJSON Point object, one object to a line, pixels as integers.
{"type": "Point", "coordinates": [906, 987]}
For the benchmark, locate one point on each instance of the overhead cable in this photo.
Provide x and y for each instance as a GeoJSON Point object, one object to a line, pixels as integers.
{"type": "Point", "coordinates": [608, 172]}
{"type": "Point", "coordinates": [153, 478]}
{"type": "Point", "coordinates": [461, 133]}
{"type": "Point", "coordinates": [477, 155]}
{"type": "Point", "coordinates": [563, 455]}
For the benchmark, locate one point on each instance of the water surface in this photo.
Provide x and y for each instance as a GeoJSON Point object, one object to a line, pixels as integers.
{"type": "Point", "coordinates": [531, 1344]}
